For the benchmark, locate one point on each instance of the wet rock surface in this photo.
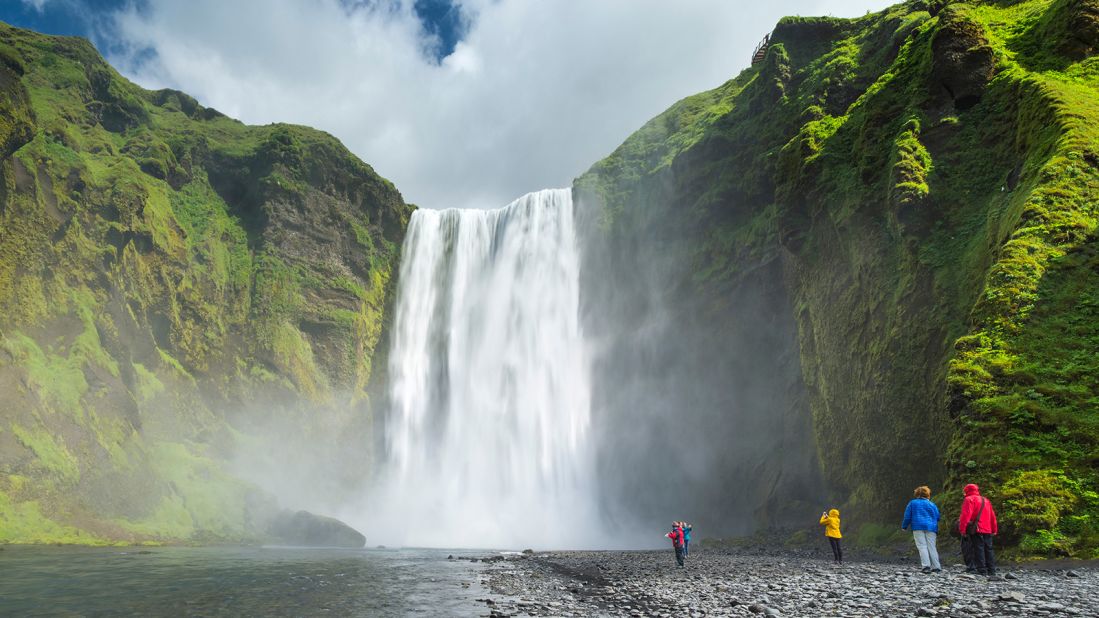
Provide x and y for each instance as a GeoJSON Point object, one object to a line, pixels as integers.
{"type": "Point", "coordinates": [733, 583]}
{"type": "Point", "coordinates": [963, 62]}
{"type": "Point", "coordinates": [308, 530]}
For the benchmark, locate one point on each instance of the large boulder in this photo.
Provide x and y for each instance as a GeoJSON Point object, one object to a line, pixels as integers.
{"type": "Point", "coordinates": [306, 529]}
{"type": "Point", "coordinates": [1081, 37]}
{"type": "Point", "coordinates": [962, 61]}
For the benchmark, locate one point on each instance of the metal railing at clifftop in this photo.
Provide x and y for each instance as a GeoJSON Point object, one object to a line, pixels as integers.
{"type": "Point", "coordinates": [761, 50]}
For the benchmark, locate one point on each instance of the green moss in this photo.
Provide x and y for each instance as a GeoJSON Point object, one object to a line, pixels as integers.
{"type": "Point", "coordinates": [144, 269]}
{"type": "Point", "coordinates": [62, 382]}
{"type": "Point", "coordinates": [49, 454]}
{"type": "Point", "coordinates": [201, 501]}
{"type": "Point", "coordinates": [24, 522]}
{"type": "Point", "coordinates": [169, 360]}
{"type": "Point", "coordinates": [11, 58]}
{"type": "Point", "coordinates": [1036, 499]}
{"type": "Point", "coordinates": [879, 537]}
{"type": "Point", "coordinates": [293, 355]}
{"type": "Point", "coordinates": [939, 253]}
{"type": "Point", "coordinates": [912, 164]}
{"type": "Point", "coordinates": [363, 236]}
{"type": "Point", "coordinates": [799, 538]}
{"type": "Point", "coordinates": [148, 385]}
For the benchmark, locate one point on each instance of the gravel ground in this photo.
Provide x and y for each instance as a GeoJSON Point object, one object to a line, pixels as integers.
{"type": "Point", "coordinates": [719, 582]}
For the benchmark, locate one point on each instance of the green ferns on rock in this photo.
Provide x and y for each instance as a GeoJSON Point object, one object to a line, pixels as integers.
{"type": "Point", "coordinates": [912, 165]}
{"type": "Point", "coordinates": [169, 276]}
{"type": "Point", "coordinates": [928, 179]}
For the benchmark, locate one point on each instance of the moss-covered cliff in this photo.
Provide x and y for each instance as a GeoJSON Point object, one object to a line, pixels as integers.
{"type": "Point", "coordinates": [921, 187]}
{"type": "Point", "coordinates": [173, 284]}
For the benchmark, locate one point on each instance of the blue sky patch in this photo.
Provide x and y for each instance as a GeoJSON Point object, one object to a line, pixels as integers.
{"type": "Point", "coordinates": [442, 20]}
{"type": "Point", "coordinates": [66, 17]}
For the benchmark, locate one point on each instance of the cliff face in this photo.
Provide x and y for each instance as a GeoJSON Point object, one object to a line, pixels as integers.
{"type": "Point", "coordinates": [879, 248]}
{"type": "Point", "coordinates": [177, 289]}
{"type": "Point", "coordinates": [865, 264]}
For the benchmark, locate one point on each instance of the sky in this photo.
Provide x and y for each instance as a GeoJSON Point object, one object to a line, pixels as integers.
{"type": "Point", "coordinates": [461, 103]}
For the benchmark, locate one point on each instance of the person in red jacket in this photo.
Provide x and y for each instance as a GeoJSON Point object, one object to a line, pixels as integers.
{"type": "Point", "coordinates": [676, 535]}
{"type": "Point", "coordinates": [977, 524]}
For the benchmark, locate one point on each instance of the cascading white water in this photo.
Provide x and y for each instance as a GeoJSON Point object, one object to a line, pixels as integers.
{"type": "Point", "coordinates": [487, 433]}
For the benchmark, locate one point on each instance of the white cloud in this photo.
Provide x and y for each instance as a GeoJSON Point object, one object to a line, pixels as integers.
{"type": "Point", "coordinates": [535, 93]}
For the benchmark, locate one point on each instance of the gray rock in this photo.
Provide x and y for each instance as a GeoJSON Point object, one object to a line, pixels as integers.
{"type": "Point", "coordinates": [721, 584]}
{"type": "Point", "coordinates": [309, 530]}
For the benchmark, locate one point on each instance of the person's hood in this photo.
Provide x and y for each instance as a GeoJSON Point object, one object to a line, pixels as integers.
{"type": "Point", "coordinates": [972, 490]}
{"type": "Point", "coordinates": [834, 513]}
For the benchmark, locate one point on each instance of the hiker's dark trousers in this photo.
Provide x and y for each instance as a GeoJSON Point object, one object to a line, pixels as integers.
{"type": "Point", "coordinates": [679, 555]}
{"type": "Point", "coordinates": [837, 551]}
{"type": "Point", "coordinates": [983, 559]}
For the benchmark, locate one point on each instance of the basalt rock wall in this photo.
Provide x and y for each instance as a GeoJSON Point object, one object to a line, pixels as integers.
{"type": "Point", "coordinates": [181, 294]}
{"type": "Point", "coordinates": [862, 265]}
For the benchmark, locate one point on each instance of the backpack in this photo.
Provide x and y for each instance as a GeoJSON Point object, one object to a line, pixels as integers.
{"type": "Point", "coordinates": [971, 527]}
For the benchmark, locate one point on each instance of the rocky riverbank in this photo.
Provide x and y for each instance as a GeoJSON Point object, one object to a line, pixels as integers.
{"type": "Point", "coordinates": [719, 582]}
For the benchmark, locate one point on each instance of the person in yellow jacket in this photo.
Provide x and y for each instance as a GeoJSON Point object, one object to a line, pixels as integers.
{"type": "Point", "coordinates": [831, 523]}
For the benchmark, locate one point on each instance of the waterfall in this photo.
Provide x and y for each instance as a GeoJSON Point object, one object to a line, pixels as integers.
{"type": "Point", "coordinates": [487, 433]}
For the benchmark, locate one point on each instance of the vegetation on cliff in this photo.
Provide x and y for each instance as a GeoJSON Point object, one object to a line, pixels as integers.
{"type": "Point", "coordinates": [926, 178]}
{"type": "Point", "coordinates": [170, 281]}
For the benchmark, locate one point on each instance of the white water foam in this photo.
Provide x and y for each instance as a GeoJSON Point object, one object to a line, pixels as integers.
{"type": "Point", "coordinates": [487, 435]}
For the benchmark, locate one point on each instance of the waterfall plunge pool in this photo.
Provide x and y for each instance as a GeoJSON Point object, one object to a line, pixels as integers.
{"type": "Point", "coordinates": [237, 581]}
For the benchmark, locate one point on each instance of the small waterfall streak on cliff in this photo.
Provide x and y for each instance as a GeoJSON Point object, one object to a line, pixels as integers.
{"type": "Point", "coordinates": [487, 433]}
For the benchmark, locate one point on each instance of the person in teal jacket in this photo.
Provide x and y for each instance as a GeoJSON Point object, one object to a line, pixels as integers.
{"type": "Point", "coordinates": [922, 516]}
{"type": "Point", "coordinates": [686, 537]}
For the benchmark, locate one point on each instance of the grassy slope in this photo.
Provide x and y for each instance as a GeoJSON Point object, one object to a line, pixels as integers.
{"type": "Point", "coordinates": [162, 265]}
{"type": "Point", "coordinates": [1025, 395]}
{"type": "Point", "coordinates": [927, 176]}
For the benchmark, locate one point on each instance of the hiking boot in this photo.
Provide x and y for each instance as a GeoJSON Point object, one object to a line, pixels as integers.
{"type": "Point", "coordinates": [925, 570]}
{"type": "Point", "coordinates": [936, 570]}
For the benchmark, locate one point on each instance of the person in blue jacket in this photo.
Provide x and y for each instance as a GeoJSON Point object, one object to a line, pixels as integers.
{"type": "Point", "coordinates": [686, 537]}
{"type": "Point", "coordinates": [923, 517]}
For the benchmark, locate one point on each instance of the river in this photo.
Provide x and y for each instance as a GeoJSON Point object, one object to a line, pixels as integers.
{"type": "Point", "coordinates": [236, 581]}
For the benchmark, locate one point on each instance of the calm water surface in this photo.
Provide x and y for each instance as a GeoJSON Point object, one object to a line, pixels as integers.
{"type": "Point", "coordinates": [246, 581]}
